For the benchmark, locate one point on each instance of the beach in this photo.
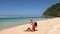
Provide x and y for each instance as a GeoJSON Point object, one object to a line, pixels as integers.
{"type": "Point", "coordinates": [48, 26]}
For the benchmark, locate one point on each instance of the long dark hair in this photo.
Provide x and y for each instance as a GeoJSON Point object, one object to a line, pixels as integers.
{"type": "Point", "coordinates": [35, 24]}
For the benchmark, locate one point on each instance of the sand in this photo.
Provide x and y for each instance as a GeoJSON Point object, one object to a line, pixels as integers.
{"type": "Point", "coordinates": [48, 26]}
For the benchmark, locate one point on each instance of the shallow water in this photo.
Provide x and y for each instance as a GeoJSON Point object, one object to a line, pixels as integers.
{"type": "Point", "coordinates": [7, 22]}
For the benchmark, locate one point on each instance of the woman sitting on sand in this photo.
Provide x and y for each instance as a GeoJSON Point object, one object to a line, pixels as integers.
{"type": "Point", "coordinates": [32, 28]}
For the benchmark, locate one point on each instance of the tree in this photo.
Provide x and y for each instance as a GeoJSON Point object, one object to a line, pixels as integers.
{"type": "Point", "coordinates": [54, 11]}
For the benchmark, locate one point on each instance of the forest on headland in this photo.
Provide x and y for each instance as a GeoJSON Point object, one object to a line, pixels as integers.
{"type": "Point", "coordinates": [53, 11]}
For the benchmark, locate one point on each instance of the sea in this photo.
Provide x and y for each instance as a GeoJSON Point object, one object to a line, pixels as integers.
{"type": "Point", "coordinates": [9, 22]}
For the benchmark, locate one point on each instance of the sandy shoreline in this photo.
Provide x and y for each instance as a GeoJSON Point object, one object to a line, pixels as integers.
{"type": "Point", "coordinates": [3, 28]}
{"type": "Point", "coordinates": [49, 26]}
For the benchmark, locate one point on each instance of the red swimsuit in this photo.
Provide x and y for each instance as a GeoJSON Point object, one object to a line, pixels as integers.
{"type": "Point", "coordinates": [33, 28]}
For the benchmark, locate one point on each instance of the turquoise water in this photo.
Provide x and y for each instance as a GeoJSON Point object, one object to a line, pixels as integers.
{"type": "Point", "coordinates": [6, 22]}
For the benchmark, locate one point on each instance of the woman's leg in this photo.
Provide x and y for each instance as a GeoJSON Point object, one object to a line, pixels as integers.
{"type": "Point", "coordinates": [28, 29]}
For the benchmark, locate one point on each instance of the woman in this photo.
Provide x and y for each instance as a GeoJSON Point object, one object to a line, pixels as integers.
{"type": "Point", "coordinates": [32, 28]}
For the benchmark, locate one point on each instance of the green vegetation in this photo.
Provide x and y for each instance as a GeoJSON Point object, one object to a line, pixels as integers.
{"type": "Point", "coordinates": [53, 11]}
